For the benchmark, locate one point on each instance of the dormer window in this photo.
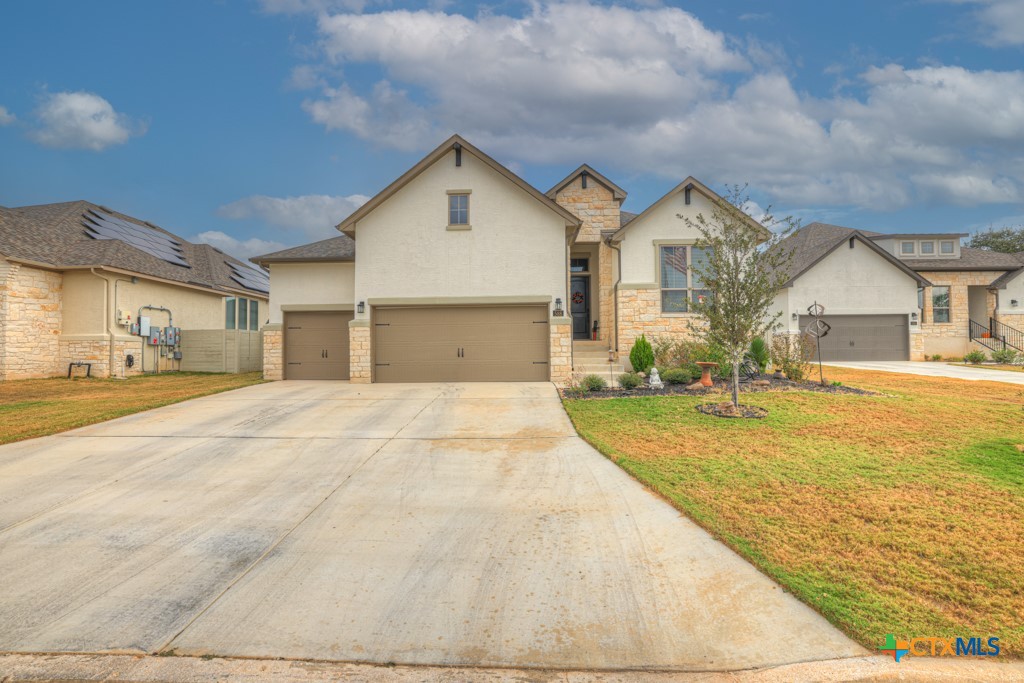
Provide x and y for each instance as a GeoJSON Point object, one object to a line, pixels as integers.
{"type": "Point", "coordinates": [927, 248]}
{"type": "Point", "coordinates": [906, 248]}
{"type": "Point", "coordinates": [946, 247]}
{"type": "Point", "coordinates": [458, 209]}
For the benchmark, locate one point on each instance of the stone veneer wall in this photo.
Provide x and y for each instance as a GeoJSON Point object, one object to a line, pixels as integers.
{"type": "Point", "coordinates": [273, 352]}
{"type": "Point", "coordinates": [97, 352]}
{"type": "Point", "coordinates": [561, 350]}
{"type": "Point", "coordinates": [30, 322]}
{"type": "Point", "coordinates": [1014, 320]}
{"type": "Point", "coordinates": [360, 353]}
{"type": "Point", "coordinates": [598, 209]}
{"type": "Point", "coordinates": [953, 337]}
{"type": "Point", "coordinates": [640, 313]}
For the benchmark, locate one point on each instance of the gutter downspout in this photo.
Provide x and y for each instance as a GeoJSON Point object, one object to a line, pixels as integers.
{"type": "Point", "coordinates": [615, 289]}
{"type": "Point", "coordinates": [106, 321]}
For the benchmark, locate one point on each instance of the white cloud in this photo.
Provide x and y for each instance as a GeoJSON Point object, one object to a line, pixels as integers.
{"type": "Point", "coordinates": [6, 117]}
{"type": "Point", "coordinates": [312, 216]}
{"type": "Point", "coordinates": [1001, 22]}
{"type": "Point", "coordinates": [655, 91]}
{"type": "Point", "coordinates": [241, 249]}
{"type": "Point", "coordinates": [82, 120]}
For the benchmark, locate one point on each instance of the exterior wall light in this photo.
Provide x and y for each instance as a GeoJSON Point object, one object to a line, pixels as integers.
{"type": "Point", "coordinates": [361, 307]}
{"type": "Point", "coordinates": [1013, 302]}
{"type": "Point", "coordinates": [913, 316]}
{"type": "Point", "coordinates": [796, 316]}
{"type": "Point", "coordinates": [558, 308]}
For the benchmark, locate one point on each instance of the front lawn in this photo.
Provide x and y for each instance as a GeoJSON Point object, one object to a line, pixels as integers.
{"type": "Point", "coordinates": [897, 514]}
{"type": "Point", "coordinates": [37, 407]}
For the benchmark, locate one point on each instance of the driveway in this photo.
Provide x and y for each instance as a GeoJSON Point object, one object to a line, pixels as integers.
{"type": "Point", "coordinates": [446, 524]}
{"type": "Point", "coordinates": [938, 370]}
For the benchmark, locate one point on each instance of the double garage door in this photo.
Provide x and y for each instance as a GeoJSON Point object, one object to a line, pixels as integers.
{"type": "Point", "coordinates": [425, 344]}
{"type": "Point", "coordinates": [864, 337]}
{"type": "Point", "coordinates": [461, 344]}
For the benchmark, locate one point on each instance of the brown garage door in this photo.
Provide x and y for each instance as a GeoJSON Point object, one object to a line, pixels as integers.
{"type": "Point", "coordinates": [461, 344]}
{"type": "Point", "coordinates": [864, 337]}
{"type": "Point", "coordinates": [316, 345]}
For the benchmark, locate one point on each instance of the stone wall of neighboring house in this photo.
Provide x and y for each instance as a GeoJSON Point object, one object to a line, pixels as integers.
{"type": "Point", "coordinates": [360, 352]}
{"type": "Point", "coordinates": [30, 322]}
{"type": "Point", "coordinates": [953, 338]}
{"type": "Point", "coordinates": [273, 352]}
{"type": "Point", "coordinates": [561, 350]}
{"type": "Point", "coordinates": [640, 313]}
{"type": "Point", "coordinates": [597, 207]}
{"type": "Point", "coordinates": [97, 353]}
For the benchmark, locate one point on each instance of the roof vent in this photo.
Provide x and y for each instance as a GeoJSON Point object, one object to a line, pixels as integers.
{"type": "Point", "coordinates": [851, 242]}
{"type": "Point", "coordinates": [458, 154]}
{"type": "Point", "coordinates": [686, 193]}
{"type": "Point", "coordinates": [584, 179]}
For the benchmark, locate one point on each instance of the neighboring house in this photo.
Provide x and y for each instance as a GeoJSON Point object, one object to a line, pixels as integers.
{"type": "Point", "coordinates": [899, 296]}
{"type": "Point", "coordinates": [466, 272]}
{"type": "Point", "coordinates": [76, 277]}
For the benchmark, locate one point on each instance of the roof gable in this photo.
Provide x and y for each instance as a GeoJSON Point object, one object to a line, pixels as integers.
{"type": "Point", "coordinates": [688, 185]}
{"type": "Point", "coordinates": [456, 142]}
{"type": "Point", "coordinates": [585, 169]}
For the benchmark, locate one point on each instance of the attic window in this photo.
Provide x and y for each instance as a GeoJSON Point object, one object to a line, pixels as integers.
{"type": "Point", "coordinates": [906, 247]}
{"type": "Point", "coordinates": [946, 247]}
{"type": "Point", "coordinates": [458, 209]}
{"type": "Point", "coordinates": [928, 248]}
{"type": "Point", "coordinates": [852, 239]}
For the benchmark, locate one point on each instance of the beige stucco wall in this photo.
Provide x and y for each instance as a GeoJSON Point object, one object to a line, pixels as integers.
{"type": "Point", "coordinates": [639, 255]}
{"type": "Point", "coordinates": [855, 281]}
{"type": "Point", "coordinates": [1014, 291]}
{"type": "Point", "coordinates": [310, 284]}
{"type": "Point", "coordinates": [516, 245]}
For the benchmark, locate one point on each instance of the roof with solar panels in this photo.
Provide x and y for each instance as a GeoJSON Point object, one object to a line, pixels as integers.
{"type": "Point", "coordinates": [81, 235]}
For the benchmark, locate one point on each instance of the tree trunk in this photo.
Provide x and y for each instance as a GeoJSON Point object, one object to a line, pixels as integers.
{"type": "Point", "coordinates": [736, 385]}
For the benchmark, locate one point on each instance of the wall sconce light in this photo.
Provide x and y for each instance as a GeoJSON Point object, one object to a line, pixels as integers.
{"type": "Point", "coordinates": [558, 308]}
{"type": "Point", "coordinates": [1013, 302]}
{"type": "Point", "coordinates": [913, 316]}
{"type": "Point", "coordinates": [361, 307]}
{"type": "Point", "coordinates": [796, 316]}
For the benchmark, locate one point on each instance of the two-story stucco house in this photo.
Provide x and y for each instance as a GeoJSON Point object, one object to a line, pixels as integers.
{"type": "Point", "coordinates": [901, 296]}
{"type": "Point", "coordinates": [461, 270]}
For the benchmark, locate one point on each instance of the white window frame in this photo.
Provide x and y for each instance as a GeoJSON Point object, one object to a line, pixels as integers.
{"type": "Point", "coordinates": [904, 252]}
{"type": "Point", "coordinates": [948, 308]}
{"type": "Point", "coordinates": [691, 292]}
{"type": "Point", "coordinates": [927, 253]}
{"type": "Point", "coordinates": [461, 214]}
{"type": "Point", "coordinates": [952, 247]}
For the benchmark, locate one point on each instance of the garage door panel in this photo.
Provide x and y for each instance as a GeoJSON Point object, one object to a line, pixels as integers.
{"type": "Point", "coordinates": [461, 344]}
{"type": "Point", "coordinates": [316, 344]}
{"type": "Point", "coordinates": [864, 337]}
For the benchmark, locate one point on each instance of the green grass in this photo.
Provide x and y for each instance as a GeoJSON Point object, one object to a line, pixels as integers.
{"type": "Point", "coordinates": [38, 407]}
{"type": "Point", "coordinates": [900, 514]}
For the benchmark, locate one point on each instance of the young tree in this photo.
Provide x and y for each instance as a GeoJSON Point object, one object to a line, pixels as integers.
{"type": "Point", "coordinates": [1007, 240]}
{"type": "Point", "coordinates": [744, 267]}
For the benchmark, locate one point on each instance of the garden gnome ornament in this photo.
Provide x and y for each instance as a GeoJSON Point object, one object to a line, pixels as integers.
{"type": "Point", "coordinates": [656, 382]}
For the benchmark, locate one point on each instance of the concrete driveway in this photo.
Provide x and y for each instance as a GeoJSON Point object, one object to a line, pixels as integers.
{"type": "Point", "coordinates": [939, 369]}
{"type": "Point", "coordinates": [457, 525]}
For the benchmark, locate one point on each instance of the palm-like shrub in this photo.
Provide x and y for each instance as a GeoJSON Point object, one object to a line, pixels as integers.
{"type": "Point", "coordinates": [759, 353]}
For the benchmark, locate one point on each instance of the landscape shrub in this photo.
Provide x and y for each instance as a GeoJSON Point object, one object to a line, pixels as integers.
{"type": "Point", "coordinates": [792, 355]}
{"type": "Point", "coordinates": [573, 389]}
{"type": "Point", "coordinates": [1005, 356]}
{"type": "Point", "coordinates": [593, 383]}
{"type": "Point", "coordinates": [630, 380]}
{"type": "Point", "coordinates": [759, 353]}
{"type": "Point", "coordinates": [975, 357]}
{"type": "Point", "coordinates": [641, 357]}
{"type": "Point", "coordinates": [676, 376]}
{"type": "Point", "coordinates": [936, 357]}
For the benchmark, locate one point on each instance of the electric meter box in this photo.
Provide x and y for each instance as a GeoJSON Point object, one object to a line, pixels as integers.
{"type": "Point", "coordinates": [163, 337]}
{"type": "Point", "coordinates": [153, 337]}
{"type": "Point", "coordinates": [177, 336]}
{"type": "Point", "coordinates": [144, 325]}
{"type": "Point", "coordinates": [135, 328]}
{"type": "Point", "coordinates": [124, 317]}
{"type": "Point", "coordinates": [171, 335]}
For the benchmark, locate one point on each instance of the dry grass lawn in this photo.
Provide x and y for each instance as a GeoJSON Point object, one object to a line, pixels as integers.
{"type": "Point", "coordinates": [897, 514]}
{"type": "Point", "coordinates": [1006, 368]}
{"type": "Point", "coordinates": [37, 407]}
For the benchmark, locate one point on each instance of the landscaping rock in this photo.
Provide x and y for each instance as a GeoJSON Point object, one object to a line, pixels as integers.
{"type": "Point", "coordinates": [696, 386]}
{"type": "Point", "coordinates": [762, 383]}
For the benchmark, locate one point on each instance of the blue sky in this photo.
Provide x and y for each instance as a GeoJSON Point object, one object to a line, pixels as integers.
{"type": "Point", "coordinates": [257, 124]}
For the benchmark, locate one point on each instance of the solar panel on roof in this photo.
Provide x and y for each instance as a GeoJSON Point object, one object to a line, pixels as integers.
{"type": "Point", "coordinates": [104, 226]}
{"type": "Point", "coordinates": [250, 277]}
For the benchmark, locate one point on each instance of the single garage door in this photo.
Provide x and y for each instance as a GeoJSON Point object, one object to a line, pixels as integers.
{"type": "Point", "coordinates": [316, 344]}
{"type": "Point", "coordinates": [461, 344]}
{"type": "Point", "coordinates": [864, 337]}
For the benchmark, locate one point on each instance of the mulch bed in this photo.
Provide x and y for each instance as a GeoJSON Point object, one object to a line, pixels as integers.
{"type": "Point", "coordinates": [723, 386]}
{"type": "Point", "coordinates": [726, 410]}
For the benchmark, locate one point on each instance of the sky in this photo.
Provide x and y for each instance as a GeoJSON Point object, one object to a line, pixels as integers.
{"type": "Point", "coordinates": [259, 124]}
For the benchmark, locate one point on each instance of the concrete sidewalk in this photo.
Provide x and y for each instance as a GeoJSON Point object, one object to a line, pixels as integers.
{"type": "Point", "coordinates": [437, 525]}
{"type": "Point", "coordinates": [938, 369]}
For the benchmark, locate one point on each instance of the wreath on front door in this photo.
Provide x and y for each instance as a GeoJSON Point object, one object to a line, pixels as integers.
{"type": "Point", "coordinates": [577, 297]}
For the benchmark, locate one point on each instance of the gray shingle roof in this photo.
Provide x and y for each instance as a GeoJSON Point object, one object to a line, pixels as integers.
{"type": "Point", "coordinates": [970, 259]}
{"type": "Point", "coordinates": [341, 248]}
{"type": "Point", "coordinates": [625, 217]}
{"type": "Point", "coordinates": [54, 235]}
{"type": "Point", "coordinates": [814, 241]}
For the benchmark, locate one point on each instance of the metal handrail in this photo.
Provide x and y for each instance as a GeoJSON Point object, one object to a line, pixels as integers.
{"type": "Point", "coordinates": [1008, 336]}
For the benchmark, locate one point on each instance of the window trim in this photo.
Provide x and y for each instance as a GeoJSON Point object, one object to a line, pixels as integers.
{"type": "Point", "coordinates": [927, 253]}
{"type": "Point", "coordinates": [690, 290]}
{"type": "Point", "coordinates": [913, 248]}
{"type": "Point", "coordinates": [243, 308]}
{"type": "Point", "coordinates": [948, 307]}
{"type": "Point", "coordinates": [230, 307]}
{"type": "Point", "coordinates": [952, 247]}
{"type": "Point", "coordinates": [458, 226]}
{"type": "Point", "coordinates": [254, 315]}
{"type": "Point", "coordinates": [585, 271]}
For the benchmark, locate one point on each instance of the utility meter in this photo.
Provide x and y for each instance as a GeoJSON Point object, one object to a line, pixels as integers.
{"type": "Point", "coordinates": [169, 336]}
{"type": "Point", "coordinates": [135, 328]}
{"type": "Point", "coordinates": [144, 326]}
{"type": "Point", "coordinates": [153, 338]}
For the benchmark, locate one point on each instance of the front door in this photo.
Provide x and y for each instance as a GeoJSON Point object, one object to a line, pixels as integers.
{"type": "Point", "coordinates": [579, 306]}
